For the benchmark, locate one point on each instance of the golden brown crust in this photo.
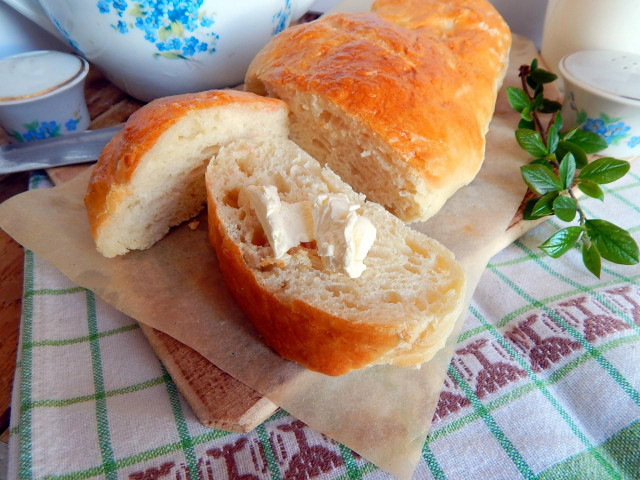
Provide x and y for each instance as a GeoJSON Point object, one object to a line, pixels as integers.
{"type": "Point", "coordinates": [121, 156]}
{"type": "Point", "coordinates": [297, 331]}
{"type": "Point", "coordinates": [421, 75]}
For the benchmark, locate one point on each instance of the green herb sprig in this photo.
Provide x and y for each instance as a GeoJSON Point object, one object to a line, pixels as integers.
{"type": "Point", "coordinates": [560, 164]}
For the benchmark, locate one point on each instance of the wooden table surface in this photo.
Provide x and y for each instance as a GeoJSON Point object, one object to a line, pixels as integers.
{"type": "Point", "coordinates": [11, 262]}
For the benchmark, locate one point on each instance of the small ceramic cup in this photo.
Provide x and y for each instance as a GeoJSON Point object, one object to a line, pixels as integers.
{"type": "Point", "coordinates": [42, 95]}
{"type": "Point", "coordinates": [602, 95]}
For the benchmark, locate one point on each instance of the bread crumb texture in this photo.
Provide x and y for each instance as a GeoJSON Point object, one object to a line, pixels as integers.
{"type": "Point", "coordinates": [398, 311]}
{"type": "Point", "coordinates": [398, 101]}
{"type": "Point", "coordinates": [150, 176]}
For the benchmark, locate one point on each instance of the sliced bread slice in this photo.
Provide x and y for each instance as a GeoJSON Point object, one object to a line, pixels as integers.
{"type": "Point", "coordinates": [400, 310]}
{"type": "Point", "coordinates": [150, 176]}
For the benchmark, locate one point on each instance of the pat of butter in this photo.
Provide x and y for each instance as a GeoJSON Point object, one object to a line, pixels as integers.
{"type": "Point", "coordinates": [285, 225]}
{"type": "Point", "coordinates": [343, 237]}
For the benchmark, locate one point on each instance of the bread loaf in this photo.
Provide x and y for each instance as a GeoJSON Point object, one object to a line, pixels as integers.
{"type": "Point", "coordinates": [150, 176]}
{"type": "Point", "coordinates": [399, 311]}
{"type": "Point", "coordinates": [398, 101]}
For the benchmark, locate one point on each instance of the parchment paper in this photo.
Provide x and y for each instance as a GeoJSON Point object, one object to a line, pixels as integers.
{"type": "Point", "coordinates": [383, 413]}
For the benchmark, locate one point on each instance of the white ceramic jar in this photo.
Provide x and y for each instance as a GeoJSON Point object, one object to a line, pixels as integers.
{"type": "Point", "coordinates": [42, 96]}
{"type": "Point", "coordinates": [154, 48]}
{"type": "Point", "coordinates": [574, 25]}
{"type": "Point", "coordinates": [602, 95]}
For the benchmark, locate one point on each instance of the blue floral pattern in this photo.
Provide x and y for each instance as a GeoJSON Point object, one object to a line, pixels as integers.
{"type": "Point", "coordinates": [281, 18]}
{"type": "Point", "coordinates": [67, 37]}
{"type": "Point", "coordinates": [37, 130]}
{"type": "Point", "coordinates": [71, 124]}
{"type": "Point", "coordinates": [613, 130]}
{"type": "Point", "coordinates": [169, 24]}
{"type": "Point", "coordinates": [595, 125]}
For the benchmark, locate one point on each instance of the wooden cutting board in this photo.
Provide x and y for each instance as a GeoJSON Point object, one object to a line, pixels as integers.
{"type": "Point", "coordinates": [218, 399]}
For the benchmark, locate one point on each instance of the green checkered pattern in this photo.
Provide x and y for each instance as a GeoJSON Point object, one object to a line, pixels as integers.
{"type": "Point", "coordinates": [544, 383]}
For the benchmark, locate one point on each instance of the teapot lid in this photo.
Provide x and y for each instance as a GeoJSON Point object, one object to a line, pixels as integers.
{"type": "Point", "coordinates": [617, 73]}
{"type": "Point", "coordinates": [36, 73]}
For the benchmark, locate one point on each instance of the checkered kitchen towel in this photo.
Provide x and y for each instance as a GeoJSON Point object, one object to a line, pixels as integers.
{"type": "Point", "coordinates": [544, 384]}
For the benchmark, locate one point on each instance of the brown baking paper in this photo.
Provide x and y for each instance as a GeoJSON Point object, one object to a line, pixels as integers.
{"type": "Point", "coordinates": [383, 412]}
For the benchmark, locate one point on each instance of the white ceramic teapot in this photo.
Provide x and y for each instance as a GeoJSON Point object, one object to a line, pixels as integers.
{"type": "Point", "coordinates": [154, 48]}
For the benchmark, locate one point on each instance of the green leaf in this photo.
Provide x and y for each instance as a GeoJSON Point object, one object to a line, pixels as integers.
{"type": "Point", "coordinates": [549, 106]}
{"type": "Point", "coordinates": [136, 10]}
{"type": "Point", "coordinates": [528, 209]}
{"type": "Point", "coordinates": [591, 189]}
{"type": "Point", "coordinates": [529, 125]}
{"type": "Point", "coordinates": [534, 64]}
{"type": "Point", "coordinates": [541, 161]}
{"type": "Point", "coordinates": [582, 117]}
{"type": "Point", "coordinates": [568, 133]}
{"type": "Point", "coordinates": [605, 170]}
{"type": "Point", "coordinates": [567, 170]}
{"type": "Point", "coordinates": [526, 115]}
{"type": "Point", "coordinates": [170, 55]}
{"type": "Point", "coordinates": [531, 142]}
{"type": "Point", "coordinates": [579, 156]}
{"type": "Point", "coordinates": [607, 119]}
{"type": "Point", "coordinates": [542, 76]}
{"type": "Point", "coordinates": [591, 259]}
{"type": "Point", "coordinates": [164, 33]}
{"type": "Point", "coordinates": [557, 121]}
{"type": "Point", "coordinates": [565, 208]}
{"type": "Point", "coordinates": [533, 84]}
{"type": "Point", "coordinates": [552, 139]}
{"type": "Point", "coordinates": [540, 179]}
{"type": "Point", "coordinates": [517, 99]}
{"type": "Point", "coordinates": [614, 243]}
{"type": "Point", "coordinates": [31, 126]}
{"type": "Point", "coordinates": [538, 91]}
{"type": "Point", "coordinates": [561, 241]}
{"type": "Point", "coordinates": [543, 206]}
{"type": "Point", "coordinates": [537, 102]}
{"type": "Point", "coordinates": [177, 29]}
{"type": "Point", "coordinates": [15, 134]}
{"type": "Point", "coordinates": [589, 142]}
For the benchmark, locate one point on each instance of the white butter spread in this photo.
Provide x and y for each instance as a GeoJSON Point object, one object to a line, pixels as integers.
{"type": "Point", "coordinates": [285, 225]}
{"type": "Point", "coordinates": [342, 236]}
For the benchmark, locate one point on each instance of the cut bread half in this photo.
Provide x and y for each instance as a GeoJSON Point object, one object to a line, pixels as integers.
{"type": "Point", "coordinates": [150, 176]}
{"type": "Point", "coordinates": [396, 101]}
{"type": "Point", "coordinates": [399, 311]}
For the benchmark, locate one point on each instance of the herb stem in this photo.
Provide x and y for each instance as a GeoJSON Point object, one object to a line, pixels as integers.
{"type": "Point", "coordinates": [583, 217]}
{"type": "Point", "coordinates": [524, 71]}
{"type": "Point", "coordinates": [552, 175]}
{"type": "Point", "coordinates": [551, 122]}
